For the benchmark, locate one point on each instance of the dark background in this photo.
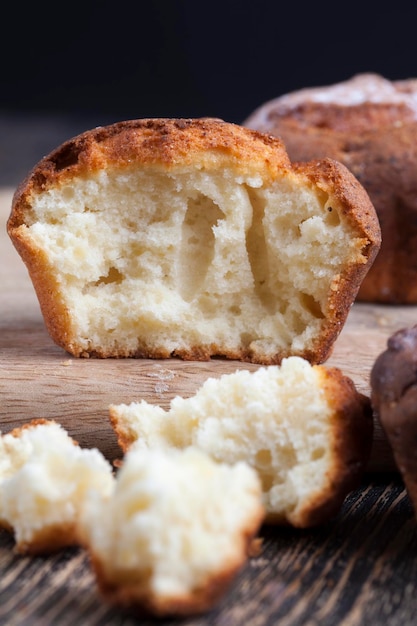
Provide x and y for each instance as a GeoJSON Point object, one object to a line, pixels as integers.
{"type": "Point", "coordinates": [69, 67]}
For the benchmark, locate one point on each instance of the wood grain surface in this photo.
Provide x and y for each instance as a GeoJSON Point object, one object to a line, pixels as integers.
{"type": "Point", "coordinates": [359, 569]}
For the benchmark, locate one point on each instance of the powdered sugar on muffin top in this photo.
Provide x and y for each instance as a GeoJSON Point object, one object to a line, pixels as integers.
{"type": "Point", "coordinates": [358, 90]}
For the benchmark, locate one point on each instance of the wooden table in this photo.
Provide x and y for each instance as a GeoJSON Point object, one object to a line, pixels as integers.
{"type": "Point", "coordinates": [359, 569]}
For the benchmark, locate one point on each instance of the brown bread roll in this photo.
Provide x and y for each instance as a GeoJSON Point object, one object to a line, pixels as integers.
{"type": "Point", "coordinates": [394, 398]}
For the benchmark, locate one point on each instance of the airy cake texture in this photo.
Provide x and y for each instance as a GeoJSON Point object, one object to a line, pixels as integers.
{"type": "Point", "coordinates": [369, 124]}
{"type": "Point", "coordinates": [44, 479]}
{"type": "Point", "coordinates": [174, 531]}
{"type": "Point", "coordinates": [192, 238]}
{"type": "Point", "coordinates": [305, 429]}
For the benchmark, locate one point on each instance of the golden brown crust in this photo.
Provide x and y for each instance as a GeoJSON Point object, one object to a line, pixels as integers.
{"type": "Point", "coordinates": [39, 421]}
{"type": "Point", "coordinates": [346, 192]}
{"type": "Point", "coordinates": [49, 539]}
{"type": "Point", "coordinates": [160, 142]}
{"type": "Point", "coordinates": [16, 432]}
{"type": "Point", "coordinates": [169, 143]}
{"type": "Point", "coordinates": [377, 141]}
{"type": "Point", "coordinates": [351, 442]}
{"type": "Point", "coordinates": [125, 436]}
{"type": "Point", "coordinates": [138, 598]}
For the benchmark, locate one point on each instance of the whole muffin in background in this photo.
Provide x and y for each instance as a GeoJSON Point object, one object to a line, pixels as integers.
{"type": "Point", "coordinates": [369, 124]}
{"type": "Point", "coordinates": [192, 238]}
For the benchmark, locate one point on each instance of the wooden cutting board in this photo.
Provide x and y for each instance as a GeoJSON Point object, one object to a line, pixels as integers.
{"type": "Point", "coordinates": [38, 379]}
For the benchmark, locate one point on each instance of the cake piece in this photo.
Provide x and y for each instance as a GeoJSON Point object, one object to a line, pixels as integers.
{"type": "Point", "coordinates": [192, 238]}
{"type": "Point", "coordinates": [305, 429]}
{"type": "Point", "coordinates": [369, 124]}
{"type": "Point", "coordinates": [394, 398]}
{"type": "Point", "coordinates": [174, 532]}
{"type": "Point", "coordinates": [44, 478]}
